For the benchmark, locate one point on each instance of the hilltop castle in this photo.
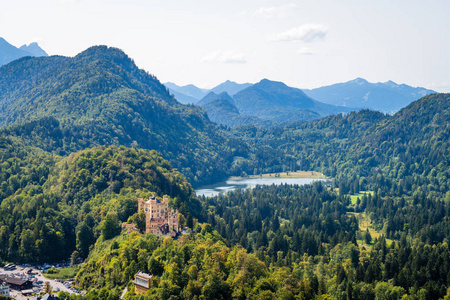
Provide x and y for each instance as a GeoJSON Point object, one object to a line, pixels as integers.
{"type": "Point", "coordinates": [158, 219]}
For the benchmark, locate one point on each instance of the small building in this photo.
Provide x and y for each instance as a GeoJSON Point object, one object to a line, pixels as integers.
{"type": "Point", "coordinates": [4, 289]}
{"type": "Point", "coordinates": [49, 297]}
{"type": "Point", "coordinates": [142, 282]}
{"type": "Point", "coordinates": [159, 220]}
{"type": "Point", "coordinates": [17, 283]}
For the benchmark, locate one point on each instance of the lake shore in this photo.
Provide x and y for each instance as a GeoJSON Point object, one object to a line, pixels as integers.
{"type": "Point", "coordinates": [297, 174]}
{"type": "Point", "coordinates": [234, 183]}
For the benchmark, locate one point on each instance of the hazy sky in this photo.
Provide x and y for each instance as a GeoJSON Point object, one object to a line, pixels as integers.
{"type": "Point", "coordinates": [205, 42]}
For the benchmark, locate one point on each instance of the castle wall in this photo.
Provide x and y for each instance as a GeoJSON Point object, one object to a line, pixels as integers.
{"type": "Point", "coordinates": [158, 216]}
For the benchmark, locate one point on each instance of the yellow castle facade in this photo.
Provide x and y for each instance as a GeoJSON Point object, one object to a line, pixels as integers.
{"type": "Point", "coordinates": [159, 219]}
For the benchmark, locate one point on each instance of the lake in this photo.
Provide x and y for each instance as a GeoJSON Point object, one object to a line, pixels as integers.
{"type": "Point", "coordinates": [230, 185]}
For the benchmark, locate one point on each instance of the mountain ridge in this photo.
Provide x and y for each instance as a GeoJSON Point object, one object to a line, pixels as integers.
{"type": "Point", "coordinates": [359, 93]}
{"type": "Point", "coordinates": [290, 104]}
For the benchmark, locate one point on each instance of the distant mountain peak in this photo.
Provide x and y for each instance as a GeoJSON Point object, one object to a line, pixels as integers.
{"type": "Point", "coordinates": [270, 83]}
{"type": "Point", "coordinates": [34, 49]}
{"type": "Point", "coordinates": [8, 52]}
{"type": "Point", "coordinates": [359, 81]}
{"type": "Point", "coordinates": [211, 96]}
{"type": "Point", "coordinates": [224, 95]}
{"type": "Point", "coordinates": [230, 87]}
{"type": "Point", "coordinates": [265, 80]}
{"type": "Point", "coordinates": [101, 51]}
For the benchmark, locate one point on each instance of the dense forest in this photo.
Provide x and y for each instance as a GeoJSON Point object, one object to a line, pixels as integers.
{"type": "Point", "coordinates": [78, 144]}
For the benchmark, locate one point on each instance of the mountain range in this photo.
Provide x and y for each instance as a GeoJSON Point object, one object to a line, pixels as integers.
{"type": "Point", "coordinates": [65, 104]}
{"type": "Point", "coordinates": [9, 52]}
{"type": "Point", "coordinates": [190, 94]}
{"type": "Point", "coordinates": [266, 103]}
{"type": "Point", "coordinates": [387, 96]}
{"type": "Point", "coordinates": [187, 94]}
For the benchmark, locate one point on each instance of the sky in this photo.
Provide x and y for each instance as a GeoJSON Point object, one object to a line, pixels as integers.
{"type": "Point", "coordinates": [304, 43]}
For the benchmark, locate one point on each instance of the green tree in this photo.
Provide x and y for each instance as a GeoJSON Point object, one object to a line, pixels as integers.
{"type": "Point", "coordinates": [367, 237]}
{"type": "Point", "coordinates": [140, 221]}
{"type": "Point", "coordinates": [110, 227]}
{"type": "Point", "coordinates": [85, 238]}
{"type": "Point", "coordinates": [74, 258]}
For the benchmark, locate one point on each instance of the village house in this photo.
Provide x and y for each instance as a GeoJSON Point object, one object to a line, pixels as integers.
{"type": "Point", "coordinates": [159, 219]}
{"type": "Point", "coordinates": [4, 289]}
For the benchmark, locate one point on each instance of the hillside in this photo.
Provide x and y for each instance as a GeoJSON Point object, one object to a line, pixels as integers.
{"type": "Point", "coordinates": [359, 93]}
{"type": "Point", "coordinates": [100, 97]}
{"type": "Point", "coordinates": [412, 142]}
{"type": "Point", "coordinates": [47, 200]}
{"type": "Point", "coordinates": [220, 110]}
{"type": "Point", "coordinates": [183, 98]}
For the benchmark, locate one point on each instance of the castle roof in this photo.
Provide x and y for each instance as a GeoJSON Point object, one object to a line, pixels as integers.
{"type": "Point", "coordinates": [144, 275]}
{"type": "Point", "coordinates": [153, 200]}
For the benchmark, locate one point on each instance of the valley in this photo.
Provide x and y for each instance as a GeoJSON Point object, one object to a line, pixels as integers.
{"type": "Point", "coordinates": [83, 137]}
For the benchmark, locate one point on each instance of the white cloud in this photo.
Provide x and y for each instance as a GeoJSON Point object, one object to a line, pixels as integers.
{"type": "Point", "coordinates": [227, 57]}
{"type": "Point", "coordinates": [276, 12]}
{"type": "Point", "coordinates": [306, 33]}
{"type": "Point", "coordinates": [306, 51]}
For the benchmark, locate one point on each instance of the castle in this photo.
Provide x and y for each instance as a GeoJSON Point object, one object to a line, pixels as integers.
{"type": "Point", "coordinates": [158, 219]}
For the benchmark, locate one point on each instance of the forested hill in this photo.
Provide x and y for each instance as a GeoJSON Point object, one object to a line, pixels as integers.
{"type": "Point", "coordinates": [50, 206]}
{"type": "Point", "coordinates": [100, 97]}
{"type": "Point", "coordinates": [72, 88]}
{"type": "Point", "coordinates": [414, 141]}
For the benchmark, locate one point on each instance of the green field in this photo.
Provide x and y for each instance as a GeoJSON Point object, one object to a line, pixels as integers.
{"type": "Point", "coordinates": [365, 223]}
{"type": "Point", "coordinates": [355, 197]}
{"type": "Point", "coordinates": [64, 273]}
